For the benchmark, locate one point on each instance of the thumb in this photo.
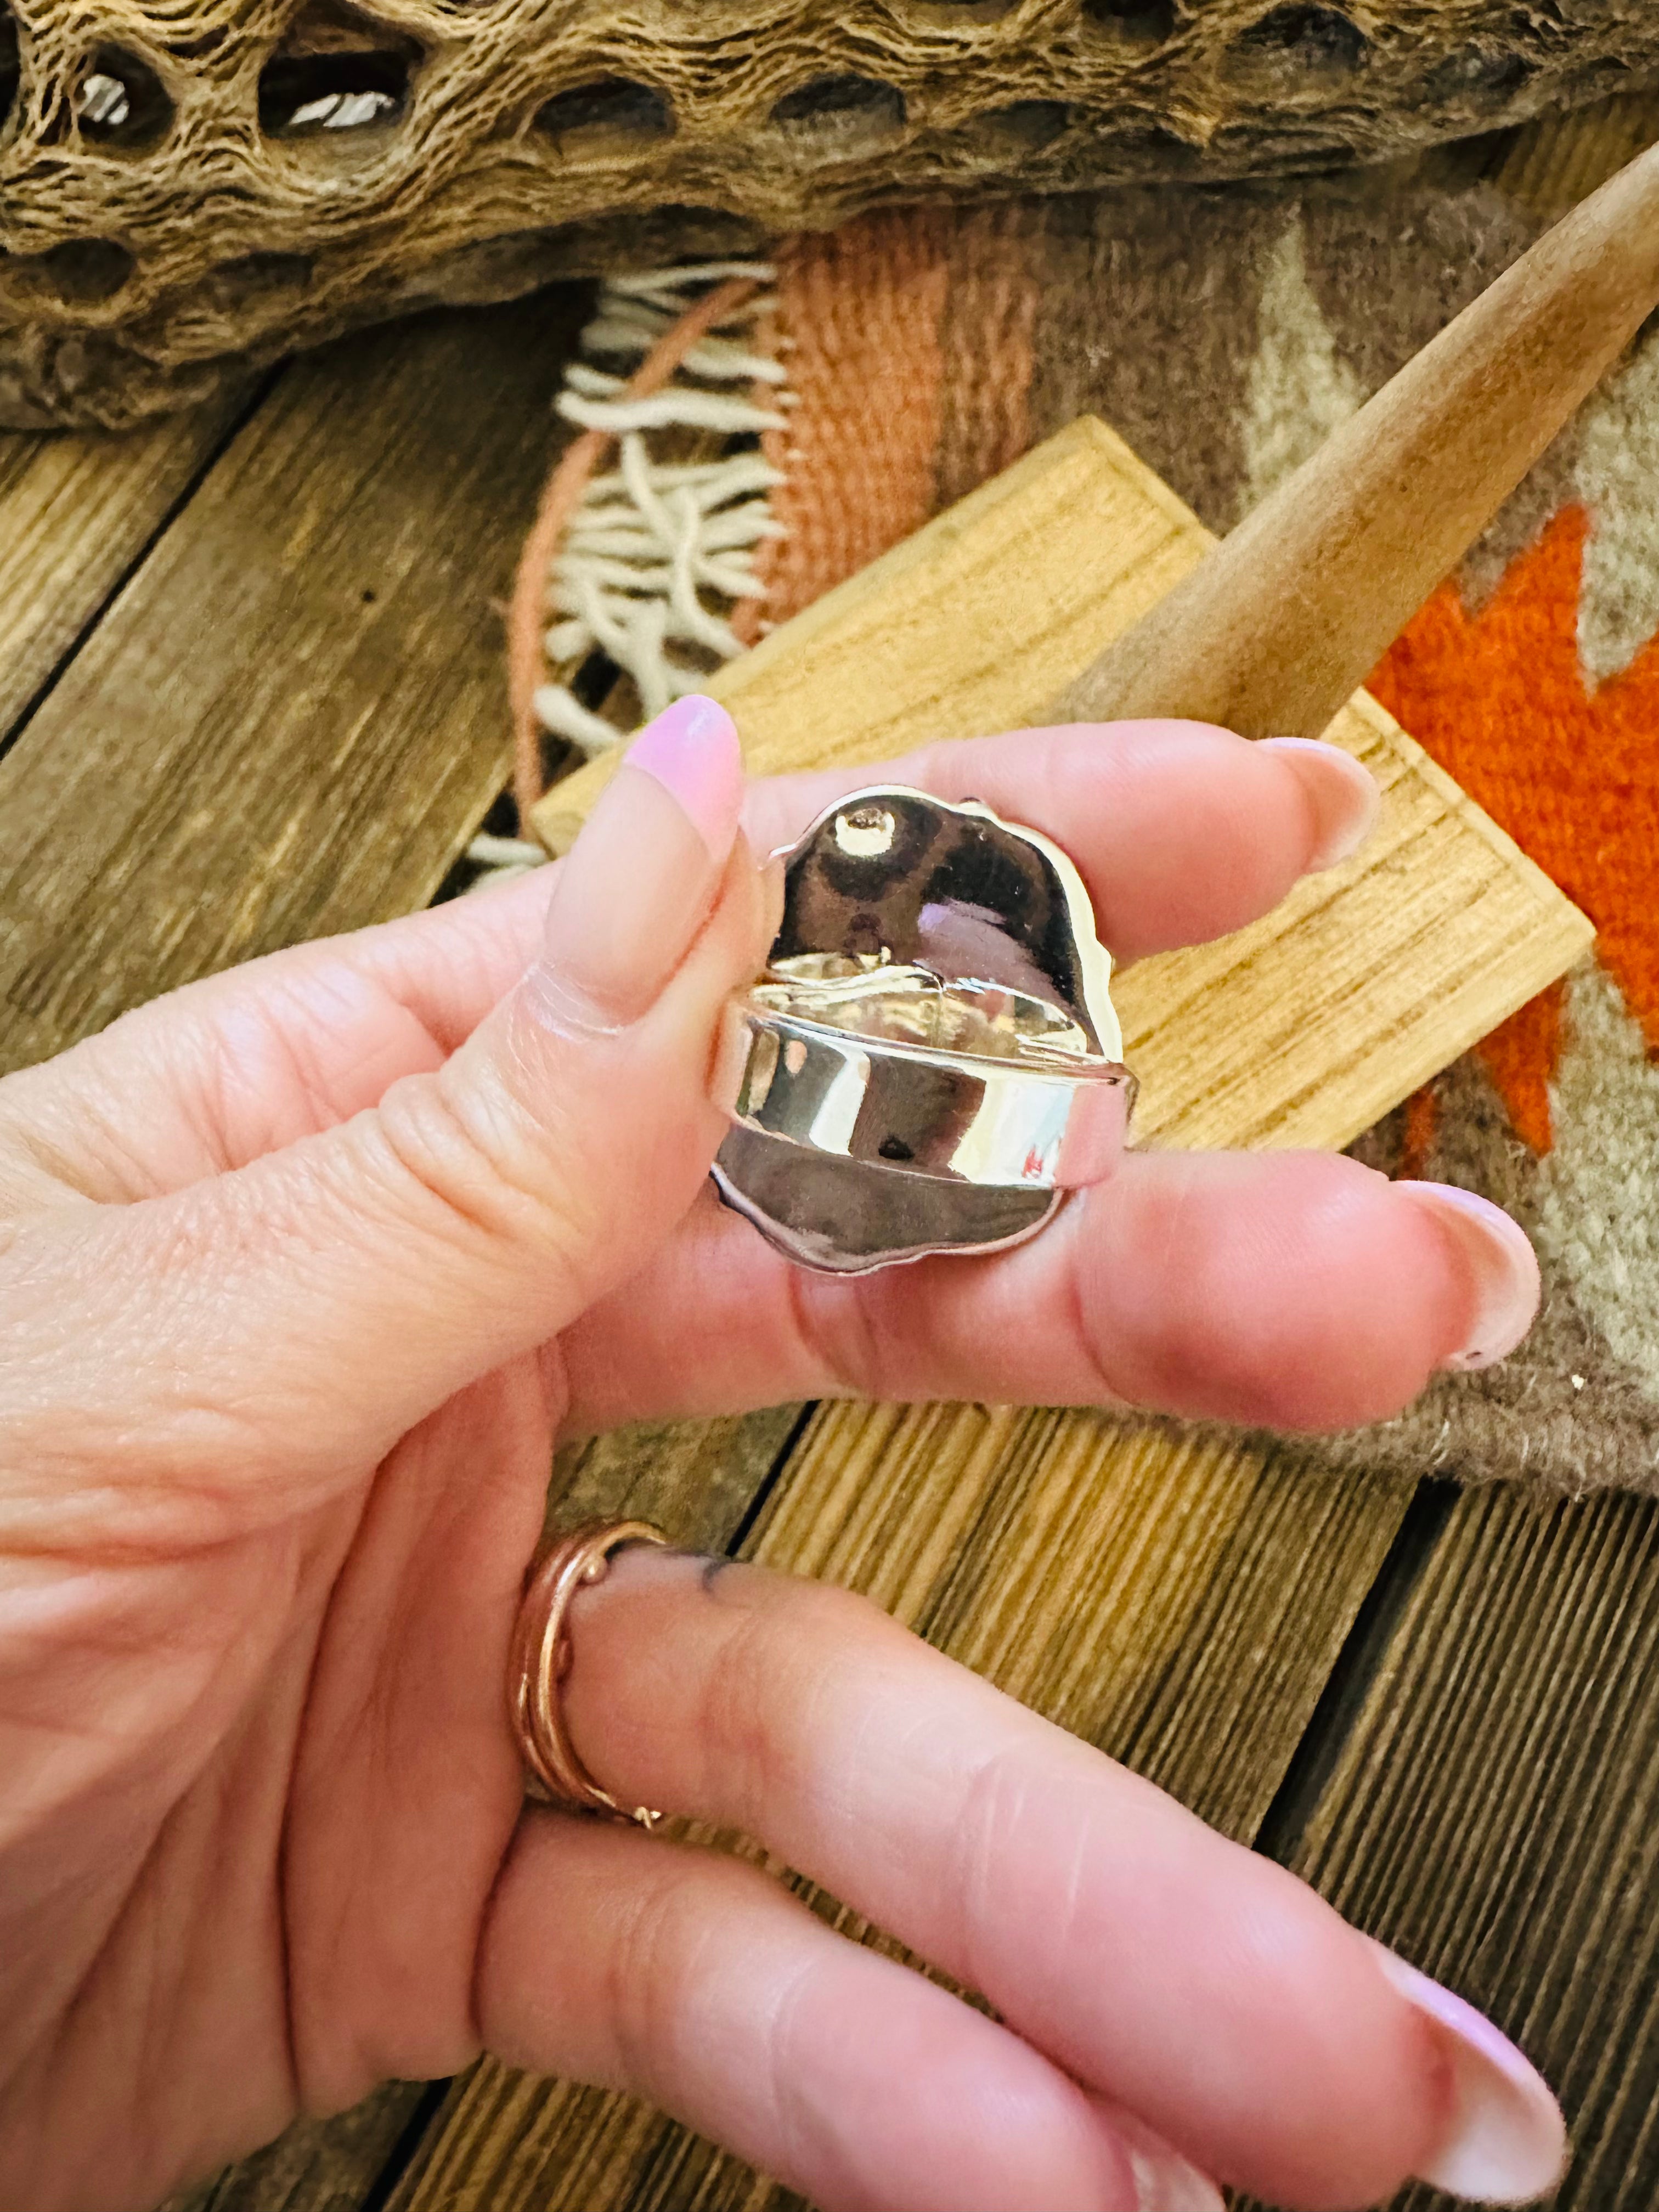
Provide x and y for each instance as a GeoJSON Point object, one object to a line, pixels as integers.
{"type": "Point", "coordinates": [304, 1311]}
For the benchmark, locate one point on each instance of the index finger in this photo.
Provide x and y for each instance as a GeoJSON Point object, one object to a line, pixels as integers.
{"type": "Point", "coordinates": [1181, 831]}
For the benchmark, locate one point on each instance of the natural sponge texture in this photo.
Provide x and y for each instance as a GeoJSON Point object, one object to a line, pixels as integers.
{"type": "Point", "coordinates": [188, 185]}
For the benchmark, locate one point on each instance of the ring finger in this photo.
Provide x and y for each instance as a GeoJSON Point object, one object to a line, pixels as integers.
{"type": "Point", "coordinates": [1161, 1967]}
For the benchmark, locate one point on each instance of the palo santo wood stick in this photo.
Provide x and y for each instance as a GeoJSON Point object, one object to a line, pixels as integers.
{"type": "Point", "coordinates": [1291, 612]}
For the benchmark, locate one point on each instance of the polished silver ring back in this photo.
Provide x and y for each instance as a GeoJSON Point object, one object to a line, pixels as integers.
{"type": "Point", "coordinates": [930, 1060]}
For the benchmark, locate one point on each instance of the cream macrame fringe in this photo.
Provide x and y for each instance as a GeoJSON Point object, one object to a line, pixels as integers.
{"type": "Point", "coordinates": [658, 551]}
{"type": "Point", "coordinates": [651, 542]}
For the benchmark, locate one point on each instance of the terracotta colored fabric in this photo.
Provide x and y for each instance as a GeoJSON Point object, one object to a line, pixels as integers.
{"type": "Point", "coordinates": [1224, 335]}
{"type": "Point", "coordinates": [859, 313]}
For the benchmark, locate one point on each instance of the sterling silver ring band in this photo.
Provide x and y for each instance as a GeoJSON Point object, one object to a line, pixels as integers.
{"type": "Point", "coordinates": [1032, 1121]}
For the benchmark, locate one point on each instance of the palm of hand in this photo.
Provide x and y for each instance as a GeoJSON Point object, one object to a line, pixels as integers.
{"type": "Point", "coordinates": [315, 1769]}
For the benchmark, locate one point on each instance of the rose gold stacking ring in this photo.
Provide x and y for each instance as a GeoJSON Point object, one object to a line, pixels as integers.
{"type": "Point", "coordinates": [541, 1659]}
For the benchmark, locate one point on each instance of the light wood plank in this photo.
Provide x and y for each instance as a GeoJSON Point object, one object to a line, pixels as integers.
{"type": "Point", "coordinates": [76, 511]}
{"type": "Point", "coordinates": [293, 715]}
{"type": "Point", "coordinates": [1303, 1029]}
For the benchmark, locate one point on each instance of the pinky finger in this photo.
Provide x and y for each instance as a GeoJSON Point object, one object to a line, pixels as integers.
{"type": "Point", "coordinates": [696, 1982]}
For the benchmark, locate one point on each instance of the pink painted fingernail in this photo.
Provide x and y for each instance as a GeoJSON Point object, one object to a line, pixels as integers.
{"type": "Point", "coordinates": [1343, 794]}
{"type": "Point", "coordinates": [1506, 2142]}
{"type": "Point", "coordinates": [637, 884]}
{"type": "Point", "coordinates": [692, 750]}
{"type": "Point", "coordinates": [1502, 1268]}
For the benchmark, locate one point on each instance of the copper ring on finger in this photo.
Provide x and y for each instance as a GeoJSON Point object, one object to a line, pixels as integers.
{"type": "Point", "coordinates": [540, 1659]}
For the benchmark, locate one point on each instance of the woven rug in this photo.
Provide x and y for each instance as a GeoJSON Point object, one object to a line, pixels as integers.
{"type": "Point", "coordinates": [1224, 334]}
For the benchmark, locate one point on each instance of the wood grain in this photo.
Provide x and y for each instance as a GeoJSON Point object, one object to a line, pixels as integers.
{"type": "Point", "coordinates": [697, 1479]}
{"type": "Point", "coordinates": [1303, 1029]}
{"type": "Point", "coordinates": [1494, 1813]}
{"type": "Point", "coordinates": [293, 717]}
{"type": "Point", "coordinates": [315, 2165]}
{"type": "Point", "coordinates": [1179, 1605]}
{"type": "Point", "coordinates": [76, 512]}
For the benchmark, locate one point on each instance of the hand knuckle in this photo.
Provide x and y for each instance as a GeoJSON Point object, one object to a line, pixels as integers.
{"type": "Point", "coordinates": [655, 1965]}
{"type": "Point", "coordinates": [481, 1170]}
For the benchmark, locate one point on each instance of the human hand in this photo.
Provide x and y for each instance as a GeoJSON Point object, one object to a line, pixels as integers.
{"type": "Point", "coordinates": [304, 1269]}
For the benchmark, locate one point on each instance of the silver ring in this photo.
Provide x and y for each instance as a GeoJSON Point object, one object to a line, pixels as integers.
{"type": "Point", "coordinates": [931, 1058]}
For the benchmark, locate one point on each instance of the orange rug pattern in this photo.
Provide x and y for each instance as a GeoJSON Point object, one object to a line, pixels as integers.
{"type": "Point", "coordinates": [1499, 699]}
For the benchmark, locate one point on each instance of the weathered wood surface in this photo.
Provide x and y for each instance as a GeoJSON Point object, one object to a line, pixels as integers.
{"type": "Point", "coordinates": [318, 2166]}
{"type": "Point", "coordinates": [291, 718]}
{"type": "Point", "coordinates": [75, 513]}
{"type": "Point", "coordinates": [1494, 1811]}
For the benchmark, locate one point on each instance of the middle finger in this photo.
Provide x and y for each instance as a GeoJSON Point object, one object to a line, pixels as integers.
{"type": "Point", "coordinates": [1181, 831]}
{"type": "Point", "coordinates": [1294, 1289]}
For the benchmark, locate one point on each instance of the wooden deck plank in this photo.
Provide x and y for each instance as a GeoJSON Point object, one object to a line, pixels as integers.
{"type": "Point", "coordinates": [1494, 1812]}
{"type": "Point", "coordinates": [292, 716]}
{"type": "Point", "coordinates": [76, 511]}
{"type": "Point", "coordinates": [316, 2165]}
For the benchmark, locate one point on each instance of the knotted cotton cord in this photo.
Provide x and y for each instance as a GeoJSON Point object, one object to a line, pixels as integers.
{"type": "Point", "coordinates": [636, 561]}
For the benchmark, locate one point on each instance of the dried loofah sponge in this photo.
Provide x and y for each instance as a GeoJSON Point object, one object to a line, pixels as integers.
{"type": "Point", "coordinates": [187, 185]}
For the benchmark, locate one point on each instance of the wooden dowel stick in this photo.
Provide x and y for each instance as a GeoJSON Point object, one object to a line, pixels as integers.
{"type": "Point", "coordinates": [1289, 615]}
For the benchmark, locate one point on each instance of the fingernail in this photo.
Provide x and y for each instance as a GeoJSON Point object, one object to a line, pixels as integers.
{"type": "Point", "coordinates": [1501, 1265]}
{"type": "Point", "coordinates": [1164, 2183]}
{"type": "Point", "coordinates": [1343, 794]}
{"type": "Point", "coordinates": [693, 751]}
{"type": "Point", "coordinates": [1163, 2180]}
{"type": "Point", "coordinates": [1507, 2142]}
{"type": "Point", "coordinates": [637, 884]}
